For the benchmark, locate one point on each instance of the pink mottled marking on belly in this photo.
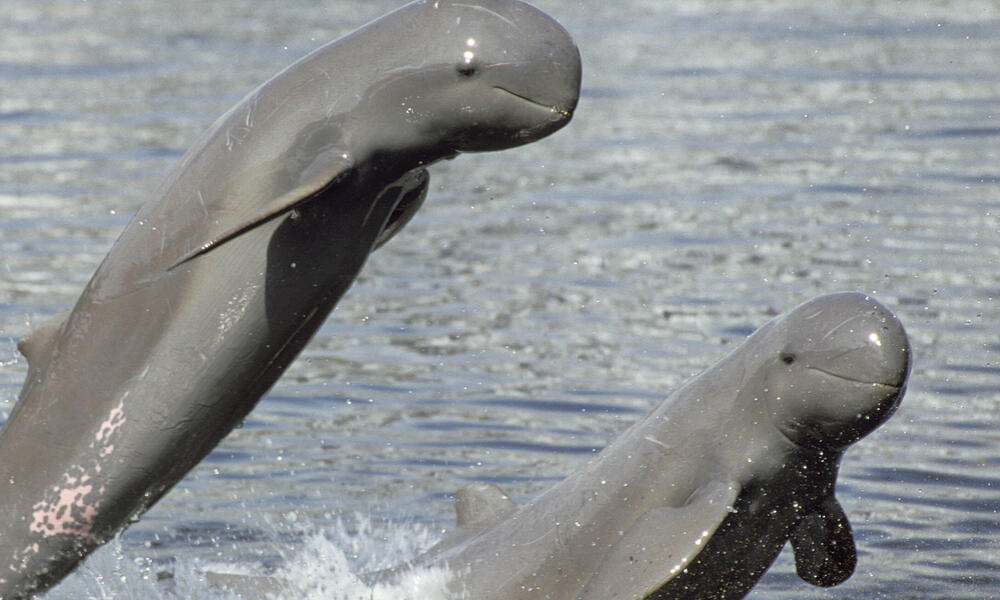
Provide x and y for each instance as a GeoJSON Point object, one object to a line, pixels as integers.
{"type": "Point", "coordinates": [71, 512]}
{"type": "Point", "coordinates": [114, 422]}
{"type": "Point", "coordinates": [70, 508]}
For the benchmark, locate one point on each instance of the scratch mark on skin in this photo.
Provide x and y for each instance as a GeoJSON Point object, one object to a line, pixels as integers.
{"type": "Point", "coordinates": [495, 14]}
{"type": "Point", "coordinates": [548, 533]}
{"type": "Point", "coordinates": [248, 121]}
{"type": "Point", "coordinates": [650, 438]}
{"type": "Point", "coordinates": [201, 199]}
{"type": "Point", "coordinates": [278, 106]}
{"type": "Point", "coordinates": [838, 326]}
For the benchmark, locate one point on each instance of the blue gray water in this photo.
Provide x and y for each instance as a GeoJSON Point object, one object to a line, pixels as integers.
{"type": "Point", "coordinates": [727, 161]}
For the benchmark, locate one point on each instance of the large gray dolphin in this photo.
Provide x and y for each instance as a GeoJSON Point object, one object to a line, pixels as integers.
{"type": "Point", "coordinates": [226, 272]}
{"type": "Point", "coordinates": [697, 499]}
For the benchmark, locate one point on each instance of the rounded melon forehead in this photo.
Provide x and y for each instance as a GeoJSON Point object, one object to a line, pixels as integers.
{"type": "Point", "coordinates": [837, 369]}
{"type": "Point", "coordinates": [852, 335]}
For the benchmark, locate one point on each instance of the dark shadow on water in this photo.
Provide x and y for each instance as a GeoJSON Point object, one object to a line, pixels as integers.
{"type": "Point", "coordinates": [555, 406]}
{"type": "Point", "coordinates": [959, 132]}
{"type": "Point", "coordinates": [924, 477]}
{"type": "Point", "coordinates": [514, 445]}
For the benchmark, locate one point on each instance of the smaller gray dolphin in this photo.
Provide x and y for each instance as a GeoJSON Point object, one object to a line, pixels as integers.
{"type": "Point", "coordinates": [697, 499]}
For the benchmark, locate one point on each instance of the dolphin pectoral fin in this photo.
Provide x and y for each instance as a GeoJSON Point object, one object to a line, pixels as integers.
{"type": "Point", "coordinates": [325, 170]}
{"type": "Point", "coordinates": [479, 503]}
{"type": "Point", "coordinates": [413, 191]}
{"type": "Point", "coordinates": [661, 544]}
{"type": "Point", "coordinates": [824, 546]}
{"type": "Point", "coordinates": [38, 343]}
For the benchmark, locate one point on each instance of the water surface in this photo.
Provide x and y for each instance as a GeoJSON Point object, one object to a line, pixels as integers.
{"type": "Point", "coordinates": [728, 160]}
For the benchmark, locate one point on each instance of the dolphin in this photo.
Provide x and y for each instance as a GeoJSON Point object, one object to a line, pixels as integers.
{"type": "Point", "coordinates": [225, 273]}
{"type": "Point", "coordinates": [697, 499]}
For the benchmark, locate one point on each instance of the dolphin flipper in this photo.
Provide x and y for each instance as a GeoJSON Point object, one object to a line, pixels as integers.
{"type": "Point", "coordinates": [479, 503]}
{"type": "Point", "coordinates": [671, 535]}
{"type": "Point", "coordinates": [824, 545]}
{"type": "Point", "coordinates": [325, 170]}
{"type": "Point", "coordinates": [413, 191]}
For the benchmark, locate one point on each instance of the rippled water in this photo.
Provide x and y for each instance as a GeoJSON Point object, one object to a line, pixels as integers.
{"type": "Point", "coordinates": [727, 161]}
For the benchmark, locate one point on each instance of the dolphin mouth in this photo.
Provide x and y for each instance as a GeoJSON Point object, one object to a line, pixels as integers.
{"type": "Point", "coordinates": [563, 112]}
{"type": "Point", "coordinates": [887, 384]}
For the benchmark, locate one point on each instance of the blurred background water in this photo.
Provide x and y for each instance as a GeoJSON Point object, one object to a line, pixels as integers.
{"type": "Point", "coordinates": [728, 160]}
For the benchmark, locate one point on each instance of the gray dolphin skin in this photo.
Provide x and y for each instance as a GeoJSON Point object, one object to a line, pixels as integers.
{"type": "Point", "coordinates": [697, 499]}
{"type": "Point", "coordinates": [226, 272]}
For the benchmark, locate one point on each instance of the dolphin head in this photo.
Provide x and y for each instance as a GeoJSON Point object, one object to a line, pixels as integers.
{"type": "Point", "coordinates": [488, 75]}
{"type": "Point", "coordinates": [837, 369]}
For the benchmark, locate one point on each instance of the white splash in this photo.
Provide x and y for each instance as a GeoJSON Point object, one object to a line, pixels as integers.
{"type": "Point", "coordinates": [327, 566]}
{"type": "Point", "coordinates": [323, 571]}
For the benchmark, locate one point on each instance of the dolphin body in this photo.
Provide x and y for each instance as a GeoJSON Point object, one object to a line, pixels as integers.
{"type": "Point", "coordinates": [696, 500]}
{"type": "Point", "coordinates": [226, 272]}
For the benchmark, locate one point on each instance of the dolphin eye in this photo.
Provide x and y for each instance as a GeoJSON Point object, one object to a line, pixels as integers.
{"type": "Point", "coordinates": [466, 69]}
{"type": "Point", "coordinates": [468, 66]}
{"type": "Point", "coordinates": [787, 357]}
